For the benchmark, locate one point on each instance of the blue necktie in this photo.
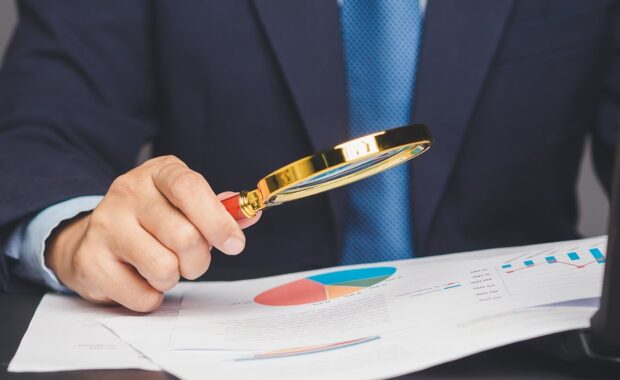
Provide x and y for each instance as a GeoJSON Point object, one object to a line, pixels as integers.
{"type": "Point", "coordinates": [381, 43]}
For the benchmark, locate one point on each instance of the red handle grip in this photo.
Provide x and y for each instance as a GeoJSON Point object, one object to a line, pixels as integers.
{"type": "Point", "coordinates": [234, 208]}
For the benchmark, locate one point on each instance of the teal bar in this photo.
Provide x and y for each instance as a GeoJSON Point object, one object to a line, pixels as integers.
{"type": "Point", "coordinates": [528, 263]}
{"type": "Point", "coordinates": [573, 256]}
{"type": "Point", "coordinates": [598, 255]}
{"type": "Point", "coordinates": [551, 259]}
{"type": "Point", "coordinates": [506, 266]}
{"type": "Point", "coordinates": [332, 278]}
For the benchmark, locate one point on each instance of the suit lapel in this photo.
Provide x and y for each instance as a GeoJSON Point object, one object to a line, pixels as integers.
{"type": "Point", "coordinates": [458, 46]}
{"type": "Point", "coordinates": [306, 39]}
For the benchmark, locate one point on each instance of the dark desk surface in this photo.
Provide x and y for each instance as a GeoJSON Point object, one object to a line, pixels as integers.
{"type": "Point", "coordinates": [517, 361]}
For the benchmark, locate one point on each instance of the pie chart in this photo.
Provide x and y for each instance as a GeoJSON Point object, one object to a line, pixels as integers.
{"type": "Point", "coordinates": [323, 287]}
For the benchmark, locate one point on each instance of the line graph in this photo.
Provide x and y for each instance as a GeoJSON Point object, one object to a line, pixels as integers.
{"type": "Point", "coordinates": [553, 270]}
{"type": "Point", "coordinates": [574, 260]}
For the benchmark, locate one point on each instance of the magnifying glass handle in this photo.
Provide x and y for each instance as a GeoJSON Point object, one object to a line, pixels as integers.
{"type": "Point", "coordinates": [233, 206]}
{"type": "Point", "coordinates": [244, 205]}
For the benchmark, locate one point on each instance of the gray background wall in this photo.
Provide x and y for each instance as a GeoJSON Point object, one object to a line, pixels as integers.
{"type": "Point", "coordinates": [7, 22]}
{"type": "Point", "coordinates": [592, 201]}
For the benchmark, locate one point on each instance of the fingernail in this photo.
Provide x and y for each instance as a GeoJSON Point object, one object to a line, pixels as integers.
{"type": "Point", "coordinates": [233, 246]}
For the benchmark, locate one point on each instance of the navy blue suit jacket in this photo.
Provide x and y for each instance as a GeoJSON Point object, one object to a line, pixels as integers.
{"type": "Point", "coordinates": [510, 89]}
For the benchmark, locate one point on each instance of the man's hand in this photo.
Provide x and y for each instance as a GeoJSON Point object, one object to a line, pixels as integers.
{"type": "Point", "coordinates": [156, 223]}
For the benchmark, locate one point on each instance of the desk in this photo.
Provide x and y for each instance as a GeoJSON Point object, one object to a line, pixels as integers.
{"type": "Point", "coordinates": [517, 361]}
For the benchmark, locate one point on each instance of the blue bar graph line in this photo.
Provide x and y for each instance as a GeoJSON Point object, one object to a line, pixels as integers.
{"type": "Point", "coordinates": [528, 263]}
{"type": "Point", "coordinates": [505, 266]}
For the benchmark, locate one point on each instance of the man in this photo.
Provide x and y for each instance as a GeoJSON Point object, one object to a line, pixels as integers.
{"type": "Point", "coordinates": [236, 89]}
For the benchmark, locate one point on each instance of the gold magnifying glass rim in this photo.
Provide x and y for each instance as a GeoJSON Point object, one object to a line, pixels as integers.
{"type": "Point", "coordinates": [396, 145]}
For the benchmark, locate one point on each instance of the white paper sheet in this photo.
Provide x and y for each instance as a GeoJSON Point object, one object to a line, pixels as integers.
{"type": "Point", "coordinates": [309, 308]}
{"type": "Point", "coordinates": [433, 310]}
{"type": "Point", "coordinates": [390, 355]}
{"type": "Point", "coordinates": [64, 335]}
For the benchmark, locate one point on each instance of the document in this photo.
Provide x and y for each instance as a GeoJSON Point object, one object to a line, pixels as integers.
{"type": "Point", "coordinates": [348, 303]}
{"type": "Point", "coordinates": [375, 357]}
{"type": "Point", "coordinates": [373, 321]}
{"type": "Point", "coordinates": [64, 335]}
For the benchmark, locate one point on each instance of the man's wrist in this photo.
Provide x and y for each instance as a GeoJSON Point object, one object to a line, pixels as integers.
{"type": "Point", "coordinates": [30, 239]}
{"type": "Point", "coordinates": [61, 245]}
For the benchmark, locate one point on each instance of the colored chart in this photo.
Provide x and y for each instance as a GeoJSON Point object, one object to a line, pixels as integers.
{"type": "Point", "coordinates": [569, 269]}
{"type": "Point", "coordinates": [323, 287]}
{"type": "Point", "coordinates": [573, 259]}
{"type": "Point", "coordinates": [307, 350]}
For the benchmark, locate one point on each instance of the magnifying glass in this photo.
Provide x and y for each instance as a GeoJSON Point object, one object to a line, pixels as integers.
{"type": "Point", "coordinates": [343, 164]}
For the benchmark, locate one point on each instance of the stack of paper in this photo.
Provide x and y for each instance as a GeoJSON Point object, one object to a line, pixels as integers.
{"type": "Point", "coordinates": [365, 321]}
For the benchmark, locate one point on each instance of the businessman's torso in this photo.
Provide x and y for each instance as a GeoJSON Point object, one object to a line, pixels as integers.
{"type": "Point", "coordinates": [509, 89]}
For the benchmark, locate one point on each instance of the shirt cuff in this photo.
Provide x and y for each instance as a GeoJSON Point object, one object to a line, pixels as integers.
{"type": "Point", "coordinates": [27, 242]}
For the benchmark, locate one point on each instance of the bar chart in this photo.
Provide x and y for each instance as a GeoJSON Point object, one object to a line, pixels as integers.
{"type": "Point", "coordinates": [549, 270]}
{"type": "Point", "coordinates": [574, 259]}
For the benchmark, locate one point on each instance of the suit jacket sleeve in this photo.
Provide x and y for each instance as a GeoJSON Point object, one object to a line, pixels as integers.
{"type": "Point", "coordinates": [77, 101]}
{"type": "Point", "coordinates": [608, 116]}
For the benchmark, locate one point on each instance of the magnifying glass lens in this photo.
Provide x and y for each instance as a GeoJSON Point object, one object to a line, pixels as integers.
{"type": "Point", "coordinates": [344, 171]}
{"type": "Point", "coordinates": [345, 163]}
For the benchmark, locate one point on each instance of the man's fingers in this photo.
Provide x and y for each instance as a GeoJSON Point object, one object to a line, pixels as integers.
{"type": "Point", "coordinates": [155, 223]}
{"type": "Point", "coordinates": [190, 193]}
{"type": "Point", "coordinates": [153, 261]}
{"type": "Point", "coordinates": [126, 287]}
{"type": "Point", "coordinates": [96, 297]}
{"type": "Point", "coordinates": [170, 227]}
{"type": "Point", "coordinates": [103, 277]}
{"type": "Point", "coordinates": [244, 223]}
